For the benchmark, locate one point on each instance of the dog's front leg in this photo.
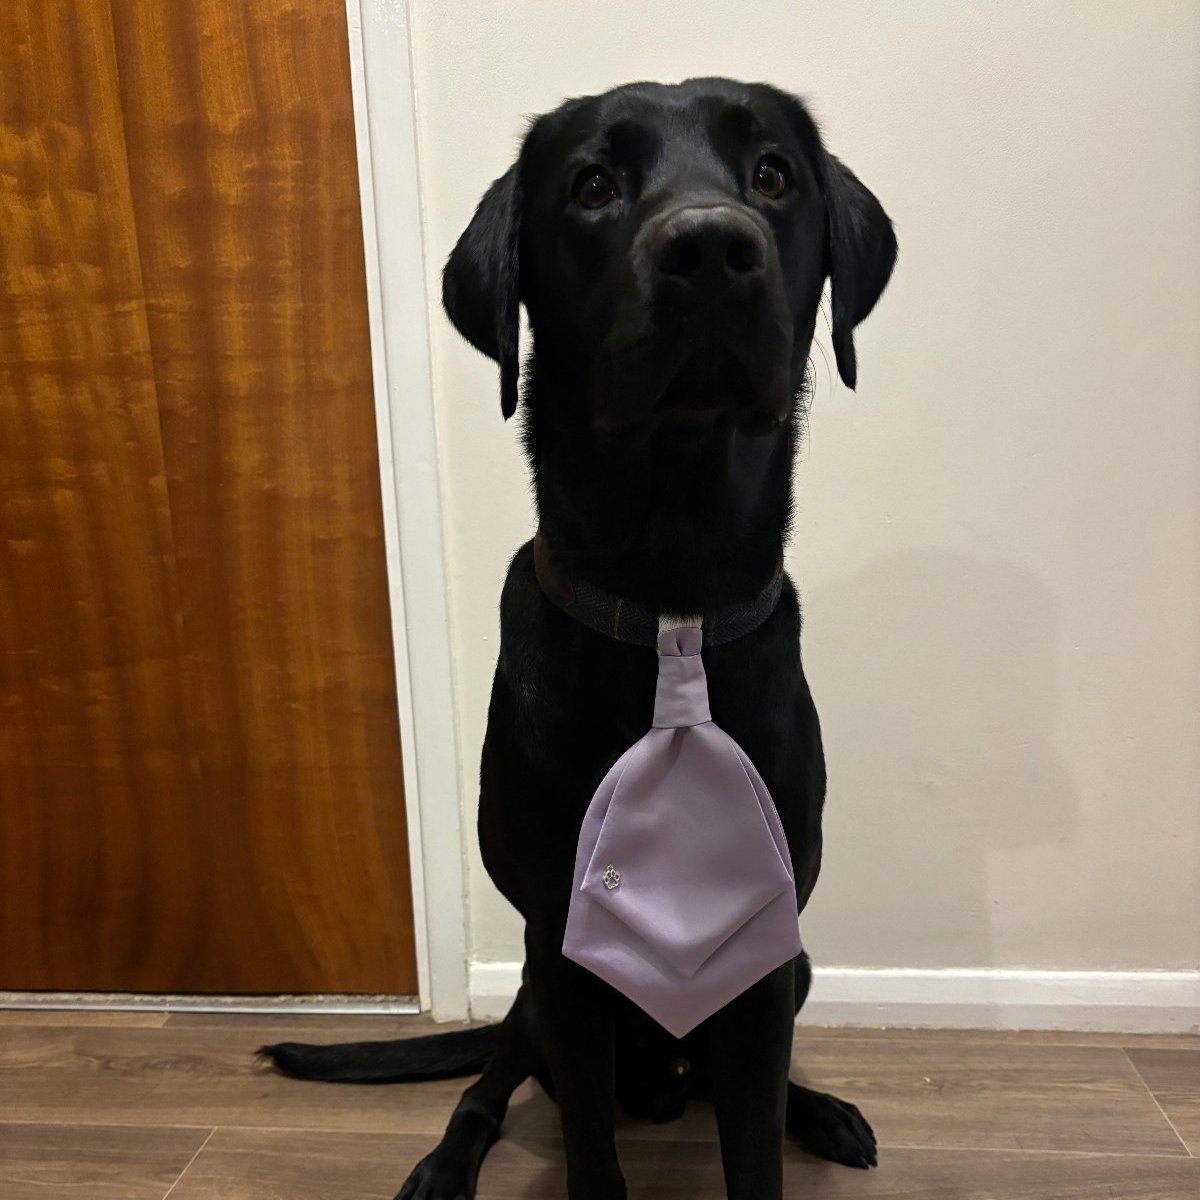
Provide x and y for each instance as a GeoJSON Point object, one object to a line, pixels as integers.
{"type": "Point", "coordinates": [574, 1019]}
{"type": "Point", "coordinates": [750, 1043]}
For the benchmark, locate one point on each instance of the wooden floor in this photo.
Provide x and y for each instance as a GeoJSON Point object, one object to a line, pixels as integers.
{"type": "Point", "coordinates": [143, 1106]}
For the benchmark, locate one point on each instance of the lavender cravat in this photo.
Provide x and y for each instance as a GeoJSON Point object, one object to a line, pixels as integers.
{"type": "Point", "coordinates": [683, 893]}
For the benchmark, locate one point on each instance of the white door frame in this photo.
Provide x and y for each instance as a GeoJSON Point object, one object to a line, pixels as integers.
{"type": "Point", "coordinates": [385, 132]}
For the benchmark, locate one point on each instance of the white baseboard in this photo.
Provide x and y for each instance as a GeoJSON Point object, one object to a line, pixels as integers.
{"type": "Point", "coordinates": [1091, 1001]}
{"type": "Point", "coordinates": [491, 987]}
{"type": "Point", "coordinates": [1115, 1001]}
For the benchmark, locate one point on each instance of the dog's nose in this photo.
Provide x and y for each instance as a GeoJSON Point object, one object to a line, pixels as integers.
{"type": "Point", "coordinates": [712, 244]}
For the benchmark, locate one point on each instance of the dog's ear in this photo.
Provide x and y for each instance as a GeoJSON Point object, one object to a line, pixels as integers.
{"type": "Point", "coordinates": [481, 286]}
{"type": "Point", "coordinates": [862, 252]}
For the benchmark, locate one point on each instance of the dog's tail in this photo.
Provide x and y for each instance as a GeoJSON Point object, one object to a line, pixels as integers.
{"type": "Point", "coordinates": [435, 1056]}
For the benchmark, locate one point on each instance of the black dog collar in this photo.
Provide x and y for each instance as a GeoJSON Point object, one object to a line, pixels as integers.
{"type": "Point", "coordinates": [630, 621]}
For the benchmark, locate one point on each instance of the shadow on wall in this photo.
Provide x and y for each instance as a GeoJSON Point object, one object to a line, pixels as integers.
{"type": "Point", "coordinates": [937, 679]}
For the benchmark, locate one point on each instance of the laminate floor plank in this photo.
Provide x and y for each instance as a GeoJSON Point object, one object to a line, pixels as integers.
{"type": "Point", "coordinates": [1173, 1078]}
{"type": "Point", "coordinates": [120, 1018]}
{"type": "Point", "coordinates": [285, 1165]}
{"type": "Point", "coordinates": [1022, 1037]}
{"type": "Point", "coordinates": [114, 1110]}
{"type": "Point", "coordinates": [189, 1076]}
{"type": "Point", "coordinates": [101, 1162]}
{"type": "Point", "coordinates": [995, 1096]}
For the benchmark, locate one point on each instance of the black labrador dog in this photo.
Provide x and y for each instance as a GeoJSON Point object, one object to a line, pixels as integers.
{"type": "Point", "coordinates": [670, 245]}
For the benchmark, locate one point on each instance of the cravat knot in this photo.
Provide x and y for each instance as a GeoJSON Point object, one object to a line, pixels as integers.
{"type": "Point", "coordinates": [681, 698]}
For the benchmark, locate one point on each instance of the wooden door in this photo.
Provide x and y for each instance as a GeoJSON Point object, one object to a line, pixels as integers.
{"type": "Point", "coordinates": [200, 774]}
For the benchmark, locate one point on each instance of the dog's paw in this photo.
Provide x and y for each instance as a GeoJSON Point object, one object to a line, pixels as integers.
{"type": "Point", "coordinates": [436, 1177]}
{"type": "Point", "coordinates": [830, 1128]}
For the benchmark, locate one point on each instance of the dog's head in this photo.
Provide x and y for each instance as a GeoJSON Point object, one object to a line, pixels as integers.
{"type": "Point", "coordinates": [670, 245]}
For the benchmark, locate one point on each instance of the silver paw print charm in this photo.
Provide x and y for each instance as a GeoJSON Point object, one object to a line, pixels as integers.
{"type": "Point", "coordinates": [611, 877]}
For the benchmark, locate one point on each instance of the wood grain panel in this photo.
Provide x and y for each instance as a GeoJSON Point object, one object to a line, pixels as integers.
{"type": "Point", "coordinates": [253, 270]}
{"type": "Point", "coordinates": [90, 701]}
{"type": "Point", "coordinates": [200, 775]}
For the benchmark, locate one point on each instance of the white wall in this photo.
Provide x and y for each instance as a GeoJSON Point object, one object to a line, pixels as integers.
{"type": "Point", "coordinates": [998, 543]}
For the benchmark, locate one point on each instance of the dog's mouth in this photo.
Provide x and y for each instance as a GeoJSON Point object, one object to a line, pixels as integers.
{"type": "Point", "coordinates": [715, 387]}
{"type": "Point", "coordinates": [710, 382]}
{"type": "Point", "coordinates": [707, 388]}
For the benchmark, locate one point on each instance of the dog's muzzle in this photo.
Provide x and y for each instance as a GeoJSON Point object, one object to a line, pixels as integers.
{"type": "Point", "coordinates": [706, 334]}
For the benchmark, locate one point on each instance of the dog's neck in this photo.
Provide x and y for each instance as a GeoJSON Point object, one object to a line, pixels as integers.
{"type": "Point", "coordinates": [679, 525]}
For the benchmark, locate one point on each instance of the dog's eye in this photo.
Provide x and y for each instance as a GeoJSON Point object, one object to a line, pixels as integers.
{"type": "Point", "coordinates": [595, 188]}
{"type": "Point", "coordinates": [770, 177]}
